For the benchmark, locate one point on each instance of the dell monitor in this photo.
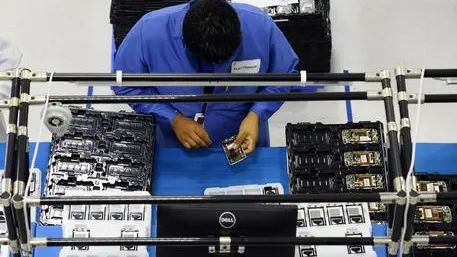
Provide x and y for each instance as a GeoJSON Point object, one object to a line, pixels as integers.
{"type": "Point", "coordinates": [226, 220]}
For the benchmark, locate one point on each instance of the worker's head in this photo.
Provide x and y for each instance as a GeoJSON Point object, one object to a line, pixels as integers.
{"type": "Point", "coordinates": [212, 30]}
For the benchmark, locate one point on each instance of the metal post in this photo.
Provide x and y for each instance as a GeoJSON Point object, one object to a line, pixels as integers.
{"type": "Point", "coordinates": [387, 198]}
{"type": "Point", "coordinates": [204, 79]}
{"type": "Point", "coordinates": [23, 228]}
{"type": "Point", "coordinates": [405, 123]}
{"type": "Point", "coordinates": [409, 226]}
{"type": "Point", "coordinates": [396, 172]}
{"type": "Point", "coordinates": [10, 164]}
{"type": "Point", "coordinates": [199, 241]}
{"type": "Point", "coordinates": [406, 153]}
{"type": "Point", "coordinates": [267, 97]}
{"type": "Point", "coordinates": [22, 218]}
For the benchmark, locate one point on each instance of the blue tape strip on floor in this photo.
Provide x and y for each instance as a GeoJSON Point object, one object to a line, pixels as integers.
{"type": "Point", "coordinates": [349, 116]}
{"type": "Point", "coordinates": [347, 89]}
{"type": "Point", "coordinates": [90, 92]}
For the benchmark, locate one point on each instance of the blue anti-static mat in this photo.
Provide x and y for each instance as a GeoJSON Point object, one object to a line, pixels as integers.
{"type": "Point", "coordinates": [178, 172]}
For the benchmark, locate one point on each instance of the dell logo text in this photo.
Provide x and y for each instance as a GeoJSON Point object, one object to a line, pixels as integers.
{"type": "Point", "coordinates": [227, 220]}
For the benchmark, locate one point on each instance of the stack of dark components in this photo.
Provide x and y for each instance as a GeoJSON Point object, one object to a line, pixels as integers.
{"type": "Point", "coordinates": [435, 219]}
{"type": "Point", "coordinates": [338, 158]}
{"type": "Point", "coordinates": [124, 14]}
{"type": "Point", "coordinates": [100, 151]}
{"type": "Point", "coordinates": [305, 24]}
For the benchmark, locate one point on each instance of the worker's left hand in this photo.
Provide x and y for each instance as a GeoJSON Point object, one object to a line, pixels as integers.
{"type": "Point", "coordinates": [248, 134]}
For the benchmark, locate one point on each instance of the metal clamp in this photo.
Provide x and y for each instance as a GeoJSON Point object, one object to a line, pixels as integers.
{"type": "Point", "coordinates": [384, 74]}
{"type": "Point", "coordinates": [22, 131]}
{"type": "Point", "coordinates": [19, 189]}
{"type": "Point", "coordinates": [407, 247]}
{"type": "Point", "coordinates": [14, 246]}
{"type": "Point", "coordinates": [421, 240]}
{"type": "Point", "coordinates": [17, 73]}
{"type": "Point", "coordinates": [5, 104]}
{"type": "Point", "coordinates": [39, 99]}
{"type": "Point", "coordinates": [393, 248]}
{"type": "Point", "coordinates": [6, 199]}
{"type": "Point", "coordinates": [14, 102]}
{"type": "Point", "coordinates": [6, 75]}
{"type": "Point", "coordinates": [12, 128]}
{"type": "Point", "coordinates": [391, 126]}
{"type": "Point", "coordinates": [26, 74]}
{"type": "Point", "coordinates": [413, 73]}
{"type": "Point", "coordinates": [413, 198]}
{"type": "Point", "coordinates": [25, 98]}
{"type": "Point", "coordinates": [382, 241]}
{"type": "Point", "coordinates": [399, 71]}
{"type": "Point", "coordinates": [224, 244]}
{"type": "Point", "coordinates": [408, 73]}
{"type": "Point", "coordinates": [373, 77]}
{"type": "Point", "coordinates": [39, 76]}
{"type": "Point", "coordinates": [412, 98]}
{"type": "Point", "coordinates": [427, 197]}
{"type": "Point", "coordinates": [7, 185]}
{"type": "Point", "coordinates": [399, 183]}
{"type": "Point", "coordinates": [405, 123]}
{"type": "Point", "coordinates": [402, 96]}
{"type": "Point", "coordinates": [388, 198]}
{"type": "Point", "coordinates": [39, 242]}
{"type": "Point", "coordinates": [33, 200]}
{"type": "Point", "coordinates": [387, 92]}
{"type": "Point", "coordinates": [374, 95]}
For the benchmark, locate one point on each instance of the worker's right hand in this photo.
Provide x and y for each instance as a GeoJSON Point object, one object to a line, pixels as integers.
{"type": "Point", "coordinates": [190, 133]}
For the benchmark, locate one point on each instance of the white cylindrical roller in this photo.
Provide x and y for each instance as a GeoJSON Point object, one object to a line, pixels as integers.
{"type": "Point", "coordinates": [57, 118]}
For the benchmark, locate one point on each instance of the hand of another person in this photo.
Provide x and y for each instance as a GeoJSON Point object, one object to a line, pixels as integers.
{"type": "Point", "coordinates": [190, 133]}
{"type": "Point", "coordinates": [248, 134]}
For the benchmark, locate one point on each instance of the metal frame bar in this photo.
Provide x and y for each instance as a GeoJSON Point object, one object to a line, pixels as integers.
{"type": "Point", "coordinates": [215, 78]}
{"type": "Point", "coordinates": [402, 74]}
{"type": "Point", "coordinates": [22, 217]}
{"type": "Point", "coordinates": [235, 241]}
{"type": "Point", "coordinates": [386, 95]}
{"type": "Point", "coordinates": [11, 163]}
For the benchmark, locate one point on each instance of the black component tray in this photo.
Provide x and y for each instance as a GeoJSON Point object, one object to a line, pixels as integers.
{"type": "Point", "coordinates": [316, 162]}
{"type": "Point", "coordinates": [101, 151]}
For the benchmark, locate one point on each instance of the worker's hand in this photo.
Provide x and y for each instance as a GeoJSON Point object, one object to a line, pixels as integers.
{"type": "Point", "coordinates": [249, 133]}
{"type": "Point", "coordinates": [190, 133]}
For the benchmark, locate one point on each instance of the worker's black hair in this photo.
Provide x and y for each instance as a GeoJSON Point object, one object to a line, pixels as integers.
{"type": "Point", "coordinates": [212, 30]}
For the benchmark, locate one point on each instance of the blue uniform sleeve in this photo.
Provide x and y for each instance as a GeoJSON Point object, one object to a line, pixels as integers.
{"type": "Point", "coordinates": [130, 59]}
{"type": "Point", "coordinates": [282, 60]}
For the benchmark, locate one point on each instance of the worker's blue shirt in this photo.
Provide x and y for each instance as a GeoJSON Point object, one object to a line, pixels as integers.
{"type": "Point", "coordinates": [155, 44]}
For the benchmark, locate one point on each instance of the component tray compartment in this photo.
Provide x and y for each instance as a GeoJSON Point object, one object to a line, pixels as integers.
{"type": "Point", "coordinates": [316, 162]}
{"type": "Point", "coordinates": [451, 251]}
{"type": "Point", "coordinates": [101, 151]}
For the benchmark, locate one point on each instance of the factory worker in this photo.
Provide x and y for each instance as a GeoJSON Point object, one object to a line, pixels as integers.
{"type": "Point", "coordinates": [207, 36]}
{"type": "Point", "coordinates": [10, 58]}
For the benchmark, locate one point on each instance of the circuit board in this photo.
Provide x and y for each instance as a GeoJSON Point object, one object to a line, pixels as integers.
{"type": "Point", "coordinates": [100, 151]}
